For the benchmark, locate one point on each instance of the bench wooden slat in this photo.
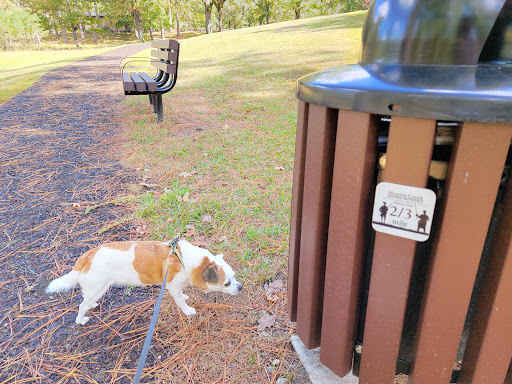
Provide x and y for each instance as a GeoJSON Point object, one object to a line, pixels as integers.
{"type": "Point", "coordinates": [150, 82]}
{"type": "Point", "coordinates": [165, 44]}
{"type": "Point", "coordinates": [165, 55]}
{"type": "Point", "coordinates": [140, 85]}
{"type": "Point", "coordinates": [128, 84]}
{"type": "Point", "coordinates": [167, 68]}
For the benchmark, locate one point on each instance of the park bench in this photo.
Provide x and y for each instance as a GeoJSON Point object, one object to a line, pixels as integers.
{"type": "Point", "coordinates": [165, 58]}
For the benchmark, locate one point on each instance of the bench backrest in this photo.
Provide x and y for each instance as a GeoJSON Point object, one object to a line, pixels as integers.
{"type": "Point", "coordinates": [165, 55]}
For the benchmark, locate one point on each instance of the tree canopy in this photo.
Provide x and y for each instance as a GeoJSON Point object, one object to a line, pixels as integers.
{"type": "Point", "coordinates": [23, 20]}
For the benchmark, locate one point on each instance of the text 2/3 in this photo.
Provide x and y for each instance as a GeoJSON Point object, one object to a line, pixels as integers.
{"type": "Point", "coordinates": [398, 213]}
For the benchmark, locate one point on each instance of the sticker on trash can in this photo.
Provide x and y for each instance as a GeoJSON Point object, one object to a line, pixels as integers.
{"type": "Point", "coordinates": [403, 211]}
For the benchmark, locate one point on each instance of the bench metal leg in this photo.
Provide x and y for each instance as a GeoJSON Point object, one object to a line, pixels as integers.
{"type": "Point", "coordinates": [159, 108]}
{"type": "Point", "coordinates": [152, 101]}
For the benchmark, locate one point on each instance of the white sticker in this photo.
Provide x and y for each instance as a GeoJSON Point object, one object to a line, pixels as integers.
{"type": "Point", "coordinates": [403, 211]}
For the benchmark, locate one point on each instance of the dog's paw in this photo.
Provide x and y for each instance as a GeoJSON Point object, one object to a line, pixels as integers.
{"type": "Point", "coordinates": [94, 305]}
{"type": "Point", "coordinates": [84, 320]}
{"type": "Point", "coordinates": [185, 297]}
{"type": "Point", "coordinates": [189, 311]}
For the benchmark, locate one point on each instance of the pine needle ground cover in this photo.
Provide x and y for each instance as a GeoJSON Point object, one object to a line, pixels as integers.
{"type": "Point", "coordinates": [218, 170]}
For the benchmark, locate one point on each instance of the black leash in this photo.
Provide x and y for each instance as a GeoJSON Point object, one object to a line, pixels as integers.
{"type": "Point", "coordinates": [152, 325]}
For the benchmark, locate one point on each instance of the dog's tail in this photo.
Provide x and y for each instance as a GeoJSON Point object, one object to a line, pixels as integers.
{"type": "Point", "coordinates": [63, 283]}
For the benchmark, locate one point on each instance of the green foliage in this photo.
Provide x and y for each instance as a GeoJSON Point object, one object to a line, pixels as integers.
{"type": "Point", "coordinates": [17, 24]}
{"type": "Point", "coordinates": [20, 23]}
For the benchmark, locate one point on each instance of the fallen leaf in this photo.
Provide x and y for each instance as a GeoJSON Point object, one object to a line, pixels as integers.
{"type": "Point", "coordinates": [76, 205]}
{"type": "Point", "coordinates": [187, 174]}
{"type": "Point", "coordinates": [270, 296]}
{"type": "Point", "coordinates": [190, 231]}
{"type": "Point", "coordinates": [207, 219]}
{"type": "Point", "coordinates": [277, 285]}
{"type": "Point", "coordinates": [266, 321]}
{"type": "Point", "coordinates": [148, 186]}
{"type": "Point", "coordinates": [202, 241]}
{"type": "Point", "coordinates": [205, 155]}
{"type": "Point", "coordinates": [222, 239]}
{"type": "Point", "coordinates": [279, 168]}
{"type": "Point", "coordinates": [141, 229]}
{"type": "Point", "coordinates": [185, 197]}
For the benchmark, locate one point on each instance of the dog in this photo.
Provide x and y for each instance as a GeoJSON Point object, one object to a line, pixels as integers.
{"type": "Point", "coordinates": [143, 263]}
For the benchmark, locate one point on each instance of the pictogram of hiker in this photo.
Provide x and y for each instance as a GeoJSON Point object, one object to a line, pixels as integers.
{"type": "Point", "coordinates": [383, 212]}
{"type": "Point", "coordinates": [422, 222]}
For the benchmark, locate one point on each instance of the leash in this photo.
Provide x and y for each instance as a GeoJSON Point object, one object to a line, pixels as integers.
{"type": "Point", "coordinates": [149, 335]}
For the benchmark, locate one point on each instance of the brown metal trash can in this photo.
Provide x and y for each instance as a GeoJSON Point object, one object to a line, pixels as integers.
{"type": "Point", "coordinates": [428, 108]}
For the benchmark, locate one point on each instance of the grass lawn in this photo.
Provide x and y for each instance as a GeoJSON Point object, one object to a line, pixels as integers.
{"type": "Point", "coordinates": [223, 161]}
{"type": "Point", "coordinates": [229, 134]}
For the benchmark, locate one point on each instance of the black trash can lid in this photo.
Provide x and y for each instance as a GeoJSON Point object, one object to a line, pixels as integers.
{"type": "Point", "coordinates": [444, 60]}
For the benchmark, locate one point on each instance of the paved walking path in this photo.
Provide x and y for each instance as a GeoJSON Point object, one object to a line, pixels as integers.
{"type": "Point", "coordinates": [59, 153]}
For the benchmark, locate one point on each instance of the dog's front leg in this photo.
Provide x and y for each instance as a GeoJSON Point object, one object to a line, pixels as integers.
{"type": "Point", "coordinates": [179, 297]}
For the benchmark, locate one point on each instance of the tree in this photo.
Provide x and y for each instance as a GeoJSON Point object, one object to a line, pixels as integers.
{"type": "Point", "coordinates": [17, 24]}
{"type": "Point", "coordinates": [264, 8]}
{"type": "Point", "coordinates": [219, 4]}
{"type": "Point", "coordinates": [208, 15]}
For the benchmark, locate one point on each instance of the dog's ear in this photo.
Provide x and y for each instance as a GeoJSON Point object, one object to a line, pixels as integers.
{"type": "Point", "coordinates": [210, 273]}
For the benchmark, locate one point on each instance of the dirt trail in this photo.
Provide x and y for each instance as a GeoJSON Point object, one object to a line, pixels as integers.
{"type": "Point", "coordinates": [59, 154]}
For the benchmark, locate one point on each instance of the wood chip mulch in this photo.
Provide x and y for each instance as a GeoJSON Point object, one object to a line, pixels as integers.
{"type": "Point", "coordinates": [58, 156]}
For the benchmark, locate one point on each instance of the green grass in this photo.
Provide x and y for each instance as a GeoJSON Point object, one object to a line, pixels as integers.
{"type": "Point", "coordinates": [238, 87]}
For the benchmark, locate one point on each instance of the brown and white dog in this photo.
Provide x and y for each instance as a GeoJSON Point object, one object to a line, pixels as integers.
{"type": "Point", "coordinates": [142, 263]}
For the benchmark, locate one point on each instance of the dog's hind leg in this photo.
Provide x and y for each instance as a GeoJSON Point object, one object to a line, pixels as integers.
{"type": "Point", "coordinates": [90, 301]}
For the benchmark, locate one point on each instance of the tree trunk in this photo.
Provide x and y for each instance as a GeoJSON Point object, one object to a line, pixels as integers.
{"type": "Point", "coordinates": [208, 16]}
{"type": "Point", "coordinates": [75, 37]}
{"type": "Point", "coordinates": [162, 35]}
{"type": "Point", "coordinates": [297, 10]}
{"type": "Point", "coordinates": [268, 14]}
{"type": "Point", "coordinates": [220, 12]}
{"type": "Point", "coordinates": [38, 39]}
{"type": "Point", "coordinates": [64, 35]}
{"type": "Point", "coordinates": [139, 29]}
{"type": "Point", "coordinates": [82, 29]}
{"type": "Point", "coordinates": [178, 32]}
{"type": "Point", "coordinates": [94, 37]}
{"type": "Point", "coordinates": [57, 33]}
{"type": "Point", "coordinates": [170, 18]}
{"type": "Point", "coordinates": [151, 33]}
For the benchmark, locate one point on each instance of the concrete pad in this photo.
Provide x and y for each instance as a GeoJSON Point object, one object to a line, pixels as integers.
{"type": "Point", "coordinates": [319, 373]}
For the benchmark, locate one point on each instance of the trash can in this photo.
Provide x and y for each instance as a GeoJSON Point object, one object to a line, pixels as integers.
{"type": "Point", "coordinates": [400, 242]}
